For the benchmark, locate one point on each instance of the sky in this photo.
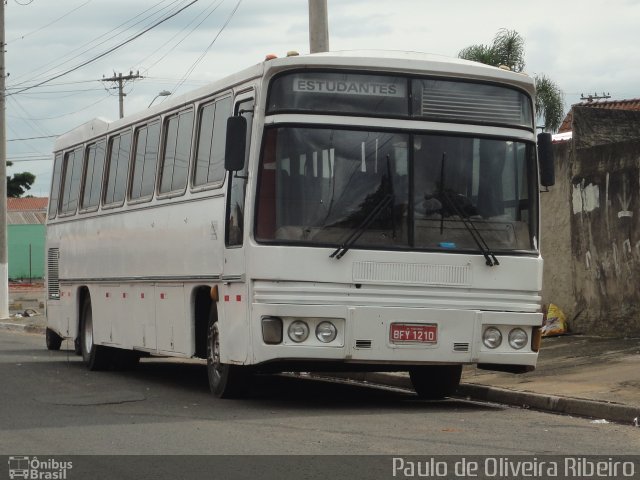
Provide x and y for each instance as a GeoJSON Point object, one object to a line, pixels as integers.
{"type": "Point", "coordinates": [585, 47]}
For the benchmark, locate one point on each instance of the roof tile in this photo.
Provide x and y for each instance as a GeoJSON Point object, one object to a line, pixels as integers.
{"type": "Point", "coordinates": [28, 204]}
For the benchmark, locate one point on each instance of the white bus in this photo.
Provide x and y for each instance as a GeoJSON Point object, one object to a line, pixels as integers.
{"type": "Point", "coordinates": [331, 212]}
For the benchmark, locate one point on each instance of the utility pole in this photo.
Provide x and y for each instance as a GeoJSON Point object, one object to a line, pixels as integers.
{"type": "Point", "coordinates": [120, 80]}
{"type": "Point", "coordinates": [4, 266]}
{"type": "Point", "coordinates": [595, 96]}
{"type": "Point", "coordinates": [318, 26]}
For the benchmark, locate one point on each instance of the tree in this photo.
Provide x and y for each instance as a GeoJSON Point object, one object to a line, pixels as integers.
{"type": "Point", "coordinates": [19, 183]}
{"type": "Point", "coordinates": [507, 49]}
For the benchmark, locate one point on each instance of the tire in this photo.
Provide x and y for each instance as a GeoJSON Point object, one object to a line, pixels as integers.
{"type": "Point", "coordinates": [54, 341]}
{"type": "Point", "coordinates": [77, 348]}
{"type": "Point", "coordinates": [225, 381]}
{"type": "Point", "coordinates": [435, 382]}
{"type": "Point", "coordinates": [97, 357]}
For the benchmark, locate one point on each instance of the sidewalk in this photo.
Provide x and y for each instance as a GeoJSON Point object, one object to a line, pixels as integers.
{"type": "Point", "coordinates": [589, 376]}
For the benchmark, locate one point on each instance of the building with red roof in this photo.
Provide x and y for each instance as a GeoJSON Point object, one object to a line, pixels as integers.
{"type": "Point", "coordinates": [564, 132]}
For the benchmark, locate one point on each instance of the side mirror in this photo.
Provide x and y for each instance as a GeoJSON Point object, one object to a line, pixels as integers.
{"type": "Point", "coordinates": [546, 160]}
{"type": "Point", "coordinates": [235, 147]}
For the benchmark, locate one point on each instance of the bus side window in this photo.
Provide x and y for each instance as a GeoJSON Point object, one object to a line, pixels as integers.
{"type": "Point", "coordinates": [55, 186]}
{"type": "Point", "coordinates": [147, 140]}
{"type": "Point", "coordinates": [209, 163]}
{"type": "Point", "coordinates": [71, 185]}
{"type": "Point", "coordinates": [92, 182]}
{"type": "Point", "coordinates": [119, 154]}
{"type": "Point", "coordinates": [177, 148]}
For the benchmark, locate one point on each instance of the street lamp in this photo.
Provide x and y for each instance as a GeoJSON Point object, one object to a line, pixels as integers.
{"type": "Point", "coordinates": [163, 93]}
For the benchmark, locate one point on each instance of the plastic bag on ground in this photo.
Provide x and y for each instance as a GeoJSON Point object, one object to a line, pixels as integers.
{"type": "Point", "coordinates": [554, 322]}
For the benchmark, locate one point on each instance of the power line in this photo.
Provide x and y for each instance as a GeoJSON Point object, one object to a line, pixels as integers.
{"type": "Point", "coordinates": [69, 93]}
{"type": "Point", "coordinates": [61, 84]}
{"type": "Point", "coordinates": [22, 37]}
{"type": "Point", "coordinates": [201, 57]}
{"type": "Point", "coordinates": [69, 113]}
{"type": "Point", "coordinates": [176, 35]}
{"type": "Point", "coordinates": [172, 81]}
{"type": "Point", "coordinates": [24, 160]}
{"type": "Point", "coordinates": [104, 54]}
{"type": "Point", "coordinates": [26, 144]}
{"type": "Point", "coordinates": [27, 155]}
{"type": "Point", "coordinates": [57, 63]}
{"type": "Point", "coordinates": [31, 138]}
{"type": "Point", "coordinates": [29, 121]}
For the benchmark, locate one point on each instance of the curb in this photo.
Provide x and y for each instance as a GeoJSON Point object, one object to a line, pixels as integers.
{"type": "Point", "coordinates": [613, 412]}
{"type": "Point", "coordinates": [22, 327]}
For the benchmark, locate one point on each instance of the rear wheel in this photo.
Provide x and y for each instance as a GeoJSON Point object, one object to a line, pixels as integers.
{"type": "Point", "coordinates": [54, 341]}
{"type": "Point", "coordinates": [225, 380]}
{"type": "Point", "coordinates": [435, 382]}
{"type": "Point", "coordinates": [97, 357]}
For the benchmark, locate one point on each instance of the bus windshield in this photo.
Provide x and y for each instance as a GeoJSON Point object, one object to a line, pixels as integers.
{"type": "Point", "coordinates": [322, 186]}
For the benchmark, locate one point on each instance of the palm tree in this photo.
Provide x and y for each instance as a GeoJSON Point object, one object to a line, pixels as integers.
{"type": "Point", "coordinates": [507, 49]}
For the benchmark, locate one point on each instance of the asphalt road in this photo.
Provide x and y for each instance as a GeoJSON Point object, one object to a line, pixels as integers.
{"type": "Point", "coordinates": [50, 404]}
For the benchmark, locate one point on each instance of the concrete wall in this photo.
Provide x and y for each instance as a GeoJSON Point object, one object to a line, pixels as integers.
{"type": "Point", "coordinates": [605, 220]}
{"type": "Point", "coordinates": [555, 236]}
{"type": "Point", "coordinates": [591, 224]}
{"type": "Point", "coordinates": [19, 238]}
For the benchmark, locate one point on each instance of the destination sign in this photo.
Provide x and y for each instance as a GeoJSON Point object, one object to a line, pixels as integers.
{"type": "Point", "coordinates": [349, 87]}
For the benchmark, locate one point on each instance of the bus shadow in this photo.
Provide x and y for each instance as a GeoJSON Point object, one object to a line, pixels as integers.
{"type": "Point", "coordinates": [305, 392]}
{"type": "Point", "coordinates": [301, 392]}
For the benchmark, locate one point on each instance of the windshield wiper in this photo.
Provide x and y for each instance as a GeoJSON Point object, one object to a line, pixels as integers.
{"type": "Point", "coordinates": [357, 233]}
{"type": "Point", "coordinates": [479, 240]}
{"type": "Point", "coordinates": [489, 256]}
{"type": "Point", "coordinates": [385, 201]}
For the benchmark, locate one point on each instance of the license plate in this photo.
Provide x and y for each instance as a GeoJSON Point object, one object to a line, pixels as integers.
{"type": "Point", "coordinates": [413, 333]}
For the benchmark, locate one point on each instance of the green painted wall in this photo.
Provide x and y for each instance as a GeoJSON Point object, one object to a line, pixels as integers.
{"type": "Point", "coordinates": [19, 239]}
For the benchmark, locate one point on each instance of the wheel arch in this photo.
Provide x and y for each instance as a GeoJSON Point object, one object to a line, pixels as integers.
{"type": "Point", "coordinates": [82, 296]}
{"type": "Point", "coordinates": [205, 304]}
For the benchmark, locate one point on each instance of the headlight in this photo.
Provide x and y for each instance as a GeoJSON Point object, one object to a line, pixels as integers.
{"type": "Point", "coordinates": [326, 332]}
{"type": "Point", "coordinates": [492, 338]}
{"type": "Point", "coordinates": [298, 331]}
{"type": "Point", "coordinates": [518, 338]}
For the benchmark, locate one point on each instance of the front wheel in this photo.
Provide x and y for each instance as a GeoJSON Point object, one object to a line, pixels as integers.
{"type": "Point", "coordinates": [435, 382]}
{"type": "Point", "coordinates": [54, 341]}
{"type": "Point", "coordinates": [97, 357]}
{"type": "Point", "coordinates": [225, 380]}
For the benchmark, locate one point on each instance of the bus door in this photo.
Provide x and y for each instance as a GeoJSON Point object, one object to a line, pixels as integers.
{"type": "Point", "coordinates": [234, 330]}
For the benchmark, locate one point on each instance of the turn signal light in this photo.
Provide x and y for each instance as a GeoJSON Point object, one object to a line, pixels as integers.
{"type": "Point", "coordinates": [272, 330]}
{"type": "Point", "coordinates": [536, 339]}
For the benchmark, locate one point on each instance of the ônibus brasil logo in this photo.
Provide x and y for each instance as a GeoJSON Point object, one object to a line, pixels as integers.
{"type": "Point", "coordinates": [34, 469]}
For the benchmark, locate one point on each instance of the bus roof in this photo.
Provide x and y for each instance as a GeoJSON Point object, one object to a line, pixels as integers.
{"type": "Point", "coordinates": [374, 60]}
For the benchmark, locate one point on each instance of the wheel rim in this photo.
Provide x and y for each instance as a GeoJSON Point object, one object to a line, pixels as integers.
{"type": "Point", "coordinates": [88, 331]}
